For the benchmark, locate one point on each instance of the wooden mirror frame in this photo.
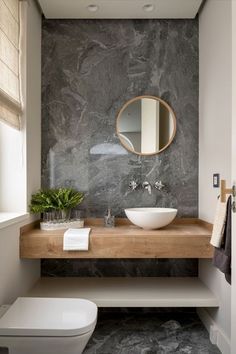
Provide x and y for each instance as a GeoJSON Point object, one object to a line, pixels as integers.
{"type": "Point", "coordinates": [136, 99]}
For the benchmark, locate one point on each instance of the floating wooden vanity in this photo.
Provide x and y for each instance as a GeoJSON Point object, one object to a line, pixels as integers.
{"type": "Point", "coordinates": [184, 238]}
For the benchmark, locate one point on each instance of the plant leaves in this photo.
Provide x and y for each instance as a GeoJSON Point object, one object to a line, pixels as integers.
{"type": "Point", "coordinates": [55, 199]}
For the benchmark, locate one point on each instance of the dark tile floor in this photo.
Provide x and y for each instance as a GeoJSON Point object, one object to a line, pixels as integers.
{"type": "Point", "coordinates": [150, 333]}
{"type": "Point", "coordinates": [141, 332]}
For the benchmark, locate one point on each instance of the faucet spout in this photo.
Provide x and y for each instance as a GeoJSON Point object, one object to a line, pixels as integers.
{"type": "Point", "coordinates": [147, 185]}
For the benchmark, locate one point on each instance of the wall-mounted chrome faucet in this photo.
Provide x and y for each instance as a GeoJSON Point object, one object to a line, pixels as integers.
{"type": "Point", "coordinates": [133, 185]}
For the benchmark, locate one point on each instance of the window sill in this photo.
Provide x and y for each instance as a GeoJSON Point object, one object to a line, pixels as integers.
{"type": "Point", "coordinates": [7, 219]}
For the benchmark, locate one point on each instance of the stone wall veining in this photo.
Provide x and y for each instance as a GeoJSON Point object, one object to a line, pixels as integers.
{"type": "Point", "coordinates": [90, 68]}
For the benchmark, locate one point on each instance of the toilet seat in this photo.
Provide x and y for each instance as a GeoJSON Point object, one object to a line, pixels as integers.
{"type": "Point", "coordinates": [48, 317]}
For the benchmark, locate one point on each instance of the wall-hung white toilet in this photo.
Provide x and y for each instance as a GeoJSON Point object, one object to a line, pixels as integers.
{"type": "Point", "coordinates": [47, 325]}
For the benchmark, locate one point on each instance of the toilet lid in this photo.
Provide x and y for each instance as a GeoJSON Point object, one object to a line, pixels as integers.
{"type": "Point", "coordinates": [48, 317]}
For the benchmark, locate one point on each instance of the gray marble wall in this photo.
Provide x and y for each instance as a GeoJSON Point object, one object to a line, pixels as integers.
{"type": "Point", "coordinates": [90, 68]}
{"type": "Point", "coordinates": [120, 267]}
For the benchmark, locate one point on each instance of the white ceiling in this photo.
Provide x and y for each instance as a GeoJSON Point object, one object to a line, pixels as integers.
{"type": "Point", "coordinates": [126, 9]}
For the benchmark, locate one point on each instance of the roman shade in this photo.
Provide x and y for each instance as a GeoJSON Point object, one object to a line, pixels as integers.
{"type": "Point", "coordinates": [10, 100]}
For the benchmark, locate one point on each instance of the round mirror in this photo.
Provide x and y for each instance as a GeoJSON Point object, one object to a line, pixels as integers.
{"type": "Point", "coordinates": [146, 125]}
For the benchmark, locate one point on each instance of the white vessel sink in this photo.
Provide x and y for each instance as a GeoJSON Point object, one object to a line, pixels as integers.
{"type": "Point", "coordinates": [151, 218]}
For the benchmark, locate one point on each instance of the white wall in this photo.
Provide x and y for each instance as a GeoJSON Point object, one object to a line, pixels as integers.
{"type": "Point", "coordinates": [33, 99]}
{"type": "Point", "coordinates": [233, 291]}
{"type": "Point", "coordinates": [215, 135]}
{"type": "Point", "coordinates": [17, 276]}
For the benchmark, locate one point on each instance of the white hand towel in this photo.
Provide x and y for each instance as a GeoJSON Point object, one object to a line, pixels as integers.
{"type": "Point", "coordinates": [76, 239]}
{"type": "Point", "coordinates": [219, 224]}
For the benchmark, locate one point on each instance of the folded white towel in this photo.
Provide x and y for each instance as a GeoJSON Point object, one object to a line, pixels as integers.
{"type": "Point", "coordinates": [76, 239]}
{"type": "Point", "coordinates": [219, 223]}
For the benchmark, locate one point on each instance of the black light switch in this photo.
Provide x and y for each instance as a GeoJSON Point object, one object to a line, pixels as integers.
{"type": "Point", "coordinates": [216, 180]}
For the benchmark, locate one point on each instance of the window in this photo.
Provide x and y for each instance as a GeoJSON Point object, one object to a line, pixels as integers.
{"type": "Point", "coordinates": [10, 100]}
{"type": "Point", "coordinates": [12, 141]}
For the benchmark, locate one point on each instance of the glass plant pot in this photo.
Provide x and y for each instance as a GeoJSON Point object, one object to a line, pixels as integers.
{"type": "Point", "coordinates": [65, 214]}
{"type": "Point", "coordinates": [61, 219]}
{"type": "Point", "coordinates": [49, 216]}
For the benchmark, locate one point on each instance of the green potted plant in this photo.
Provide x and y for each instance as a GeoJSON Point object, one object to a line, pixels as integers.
{"type": "Point", "coordinates": [58, 199]}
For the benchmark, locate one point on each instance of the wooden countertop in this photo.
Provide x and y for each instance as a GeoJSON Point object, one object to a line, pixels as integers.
{"type": "Point", "coordinates": [184, 238]}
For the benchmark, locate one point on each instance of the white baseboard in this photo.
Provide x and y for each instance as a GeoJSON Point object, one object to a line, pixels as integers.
{"type": "Point", "coordinates": [217, 337]}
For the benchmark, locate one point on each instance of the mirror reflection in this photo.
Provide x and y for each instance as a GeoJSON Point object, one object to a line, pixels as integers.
{"type": "Point", "coordinates": [146, 125]}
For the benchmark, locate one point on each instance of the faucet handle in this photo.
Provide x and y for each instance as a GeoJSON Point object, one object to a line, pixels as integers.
{"type": "Point", "coordinates": [159, 185]}
{"type": "Point", "coordinates": [133, 185]}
